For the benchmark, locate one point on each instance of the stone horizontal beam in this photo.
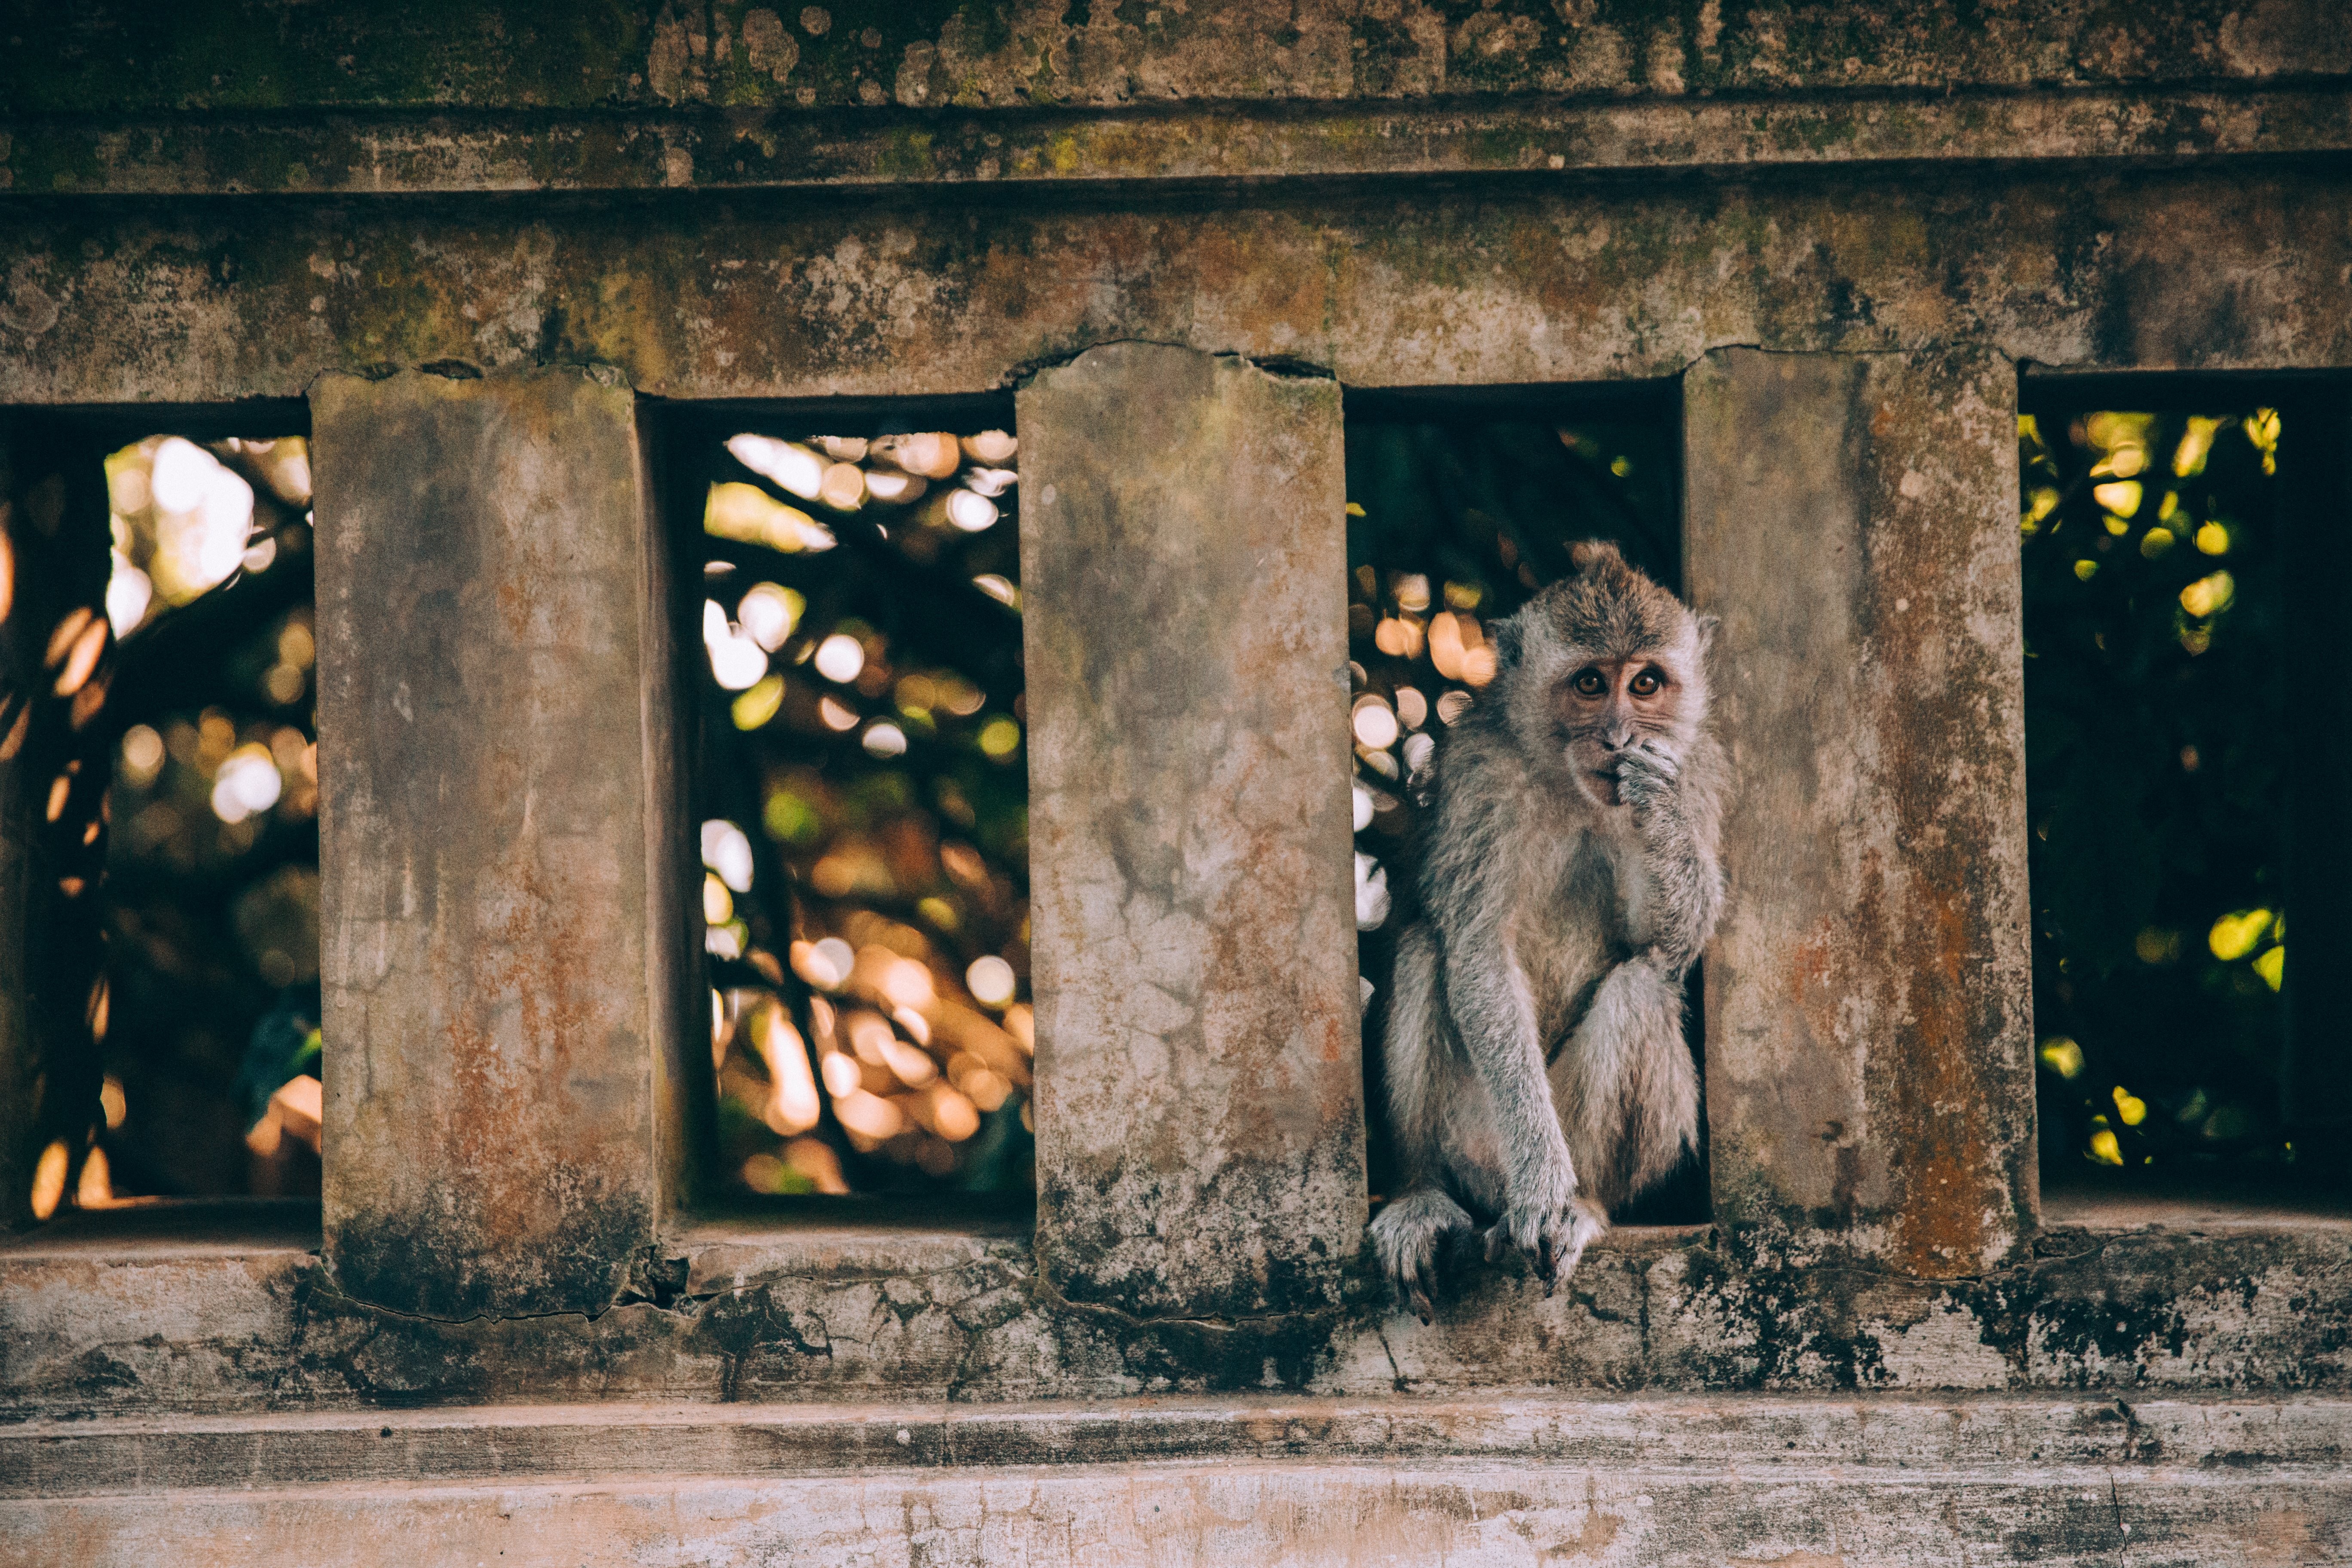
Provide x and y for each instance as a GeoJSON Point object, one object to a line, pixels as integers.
{"type": "Point", "coordinates": [1000, 153]}
{"type": "Point", "coordinates": [704, 298]}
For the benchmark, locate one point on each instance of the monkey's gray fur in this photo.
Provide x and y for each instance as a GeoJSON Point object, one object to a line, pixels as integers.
{"type": "Point", "coordinates": [1537, 1071]}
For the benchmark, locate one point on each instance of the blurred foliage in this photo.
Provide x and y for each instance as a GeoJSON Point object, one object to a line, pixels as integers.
{"type": "Point", "coordinates": [1453, 523]}
{"type": "Point", "coordinates": [2155, 756]}
{"type": "Point", "coordinates": [863, 785]}
{"type": "Point", "coordinates": [210, 897]}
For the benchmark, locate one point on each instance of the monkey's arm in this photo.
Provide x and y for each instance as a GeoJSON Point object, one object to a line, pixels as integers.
{"type": "Point", "coordinates": [1677, 809]}
{"type": "Point", "coordinates": [1470, 893]}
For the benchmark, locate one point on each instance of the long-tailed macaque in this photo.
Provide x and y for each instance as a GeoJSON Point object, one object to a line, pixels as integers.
{"type": "Point", "coordinates": [1537, 1078]}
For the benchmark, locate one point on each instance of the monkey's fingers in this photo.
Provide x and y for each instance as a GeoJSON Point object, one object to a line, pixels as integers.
{"type": "Point", "coordinates": [1544, 1262]}
{"type": "Point", "coordinates": [1417, 1294]}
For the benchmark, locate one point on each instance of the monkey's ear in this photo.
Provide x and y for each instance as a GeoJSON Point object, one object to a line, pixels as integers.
{"type": "Point", "coordinates": [1587, 554]}
{"type": "Point", "coordinates": [1707, 626]}
{"type": "Point", "coordinates": [1510, 641]}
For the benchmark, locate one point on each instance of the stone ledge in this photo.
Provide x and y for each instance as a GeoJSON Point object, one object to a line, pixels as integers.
{"type": "Point", "coordinates": [1918, 1493]}
{"type": "Point", "coordinates": [2138, 1311]}
{"type": "Point", "coordinates": [1006, 150]}
{"type": "Point", "coordinates": [624, 1442]}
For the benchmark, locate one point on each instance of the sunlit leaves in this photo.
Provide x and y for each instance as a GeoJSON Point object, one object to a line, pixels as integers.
{"type": "Point", "coordinates": [2235, 935]}
{"type": "Point", "coordinates": [2210, 594]}
{"type": "Point", "coordinates": [2195, 444]}
{"type": "Point", "coordinates": [748, 515]}
{"type": "Point", "coordinates": [2262, 427]}
{"type": "Point", "coordinates": [999, 738]}
{"type": "Point", "coordinates": [2153, 755]}
{"type": "Point", "coordinates": [2062, 1056]}
{"type": "Point", "coordinates": [759, 702]}
{"type": "Point", "coordinates": [2121, 497]}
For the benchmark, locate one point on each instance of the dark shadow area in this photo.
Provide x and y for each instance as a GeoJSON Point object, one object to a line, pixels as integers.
{"type": "Point", "coordinates": [2189, 713]}
{"type": "Point", "coordinates": [1461, 505]}
{"type": "Point", "coordinates": [189, 671]}
{"type": "Point", "coordinates": [855, 751]}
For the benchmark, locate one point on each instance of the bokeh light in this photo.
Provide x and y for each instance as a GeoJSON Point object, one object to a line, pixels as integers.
{"type": "Point", "coordinates": [865, 836]}
{"type": "Point", "coordinates": [200, 670]}
{"type": "Point", "coordinates": [2156, 762]}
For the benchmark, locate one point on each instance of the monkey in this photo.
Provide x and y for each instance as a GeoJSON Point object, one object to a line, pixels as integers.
{"type": "Point", "coordinates": [1535, 1069]}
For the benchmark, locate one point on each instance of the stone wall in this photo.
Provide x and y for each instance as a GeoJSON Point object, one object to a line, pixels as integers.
{"type": "Point", "coordinates": [478, 244]}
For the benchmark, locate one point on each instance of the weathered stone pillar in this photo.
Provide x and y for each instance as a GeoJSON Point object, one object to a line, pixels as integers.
{"type": "Point", "coordinates": [500, 843]}
{"type": "Point", "coordinates": [1869, 1057]}
{"type": "Point", "coordinates": [1200, 1117]}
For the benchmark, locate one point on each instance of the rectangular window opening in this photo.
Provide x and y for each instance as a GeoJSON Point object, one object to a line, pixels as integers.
{"type": "Point", "coordinates": [2188, 720]}
{"type": "Point", "coordinates": [1462, 503]}
{"type": "Point", "coordinates": [857, 765]}
{"type": "Point", "coordinates": [163, 634]}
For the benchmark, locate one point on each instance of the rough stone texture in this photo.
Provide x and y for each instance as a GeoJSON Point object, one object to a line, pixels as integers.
{"type": "Point", "coordinates": [379, 151]}
{"type": "Point", "coordinates": [1200, 1075]}
{"type": "Point", "coordinates": [97, 1324]}
{"type": "Point", "coordinates": [2242, 267]}
{"type": "Point", "coordinates": [1852, 522]}
{"type": "Point", "coordinates": [533, 54]}
{"type": "Point", "coordinates": [498, 827]}
{"type": "Point", "coordinates": [1763, 1509]}
{"type": "Point", "coordinates": [620, 1441]}
{"type": "Point", "coordinates": [743, 201]}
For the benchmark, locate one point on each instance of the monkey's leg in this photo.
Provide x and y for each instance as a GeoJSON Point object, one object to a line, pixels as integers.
{"type": "Point", "coordinates": [1625, 1086]}
{"type": "Point", "coordinates": [1409, 1237]}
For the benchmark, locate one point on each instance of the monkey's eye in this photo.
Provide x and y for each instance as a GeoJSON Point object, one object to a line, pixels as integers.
{"type": "Point", "coordinates": [1646, 683]}
{"type": "Point", "coordinates": [1589, 682]}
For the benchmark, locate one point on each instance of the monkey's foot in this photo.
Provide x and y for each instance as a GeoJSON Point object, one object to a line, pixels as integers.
{"type": "Point", "coordinates": [1554, 1240]}
{"type": "Point", "coordinates": [1409, 1237]}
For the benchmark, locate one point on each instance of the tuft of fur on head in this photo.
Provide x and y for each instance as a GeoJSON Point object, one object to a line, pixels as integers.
{"type": "Point", "coordinates": [1608, 610]}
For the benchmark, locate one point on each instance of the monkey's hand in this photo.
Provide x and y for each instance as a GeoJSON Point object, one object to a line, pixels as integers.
{"type": "Point", "coordinates": [1553, 1231]}
{"type": "Point", "coordinates": [1646, 780]}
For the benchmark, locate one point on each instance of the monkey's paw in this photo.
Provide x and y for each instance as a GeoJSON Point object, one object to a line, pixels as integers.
{"type": "Point", "coordinates": [1645, 776]}
{"type": "Point", "coordinates": [1553, 1237]}
{"type": "Point", "coordinates": [1410, 1236]}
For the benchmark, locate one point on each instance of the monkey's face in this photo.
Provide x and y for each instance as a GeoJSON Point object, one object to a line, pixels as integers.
{"type": "Point", "coordinates": [1606, 706]}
